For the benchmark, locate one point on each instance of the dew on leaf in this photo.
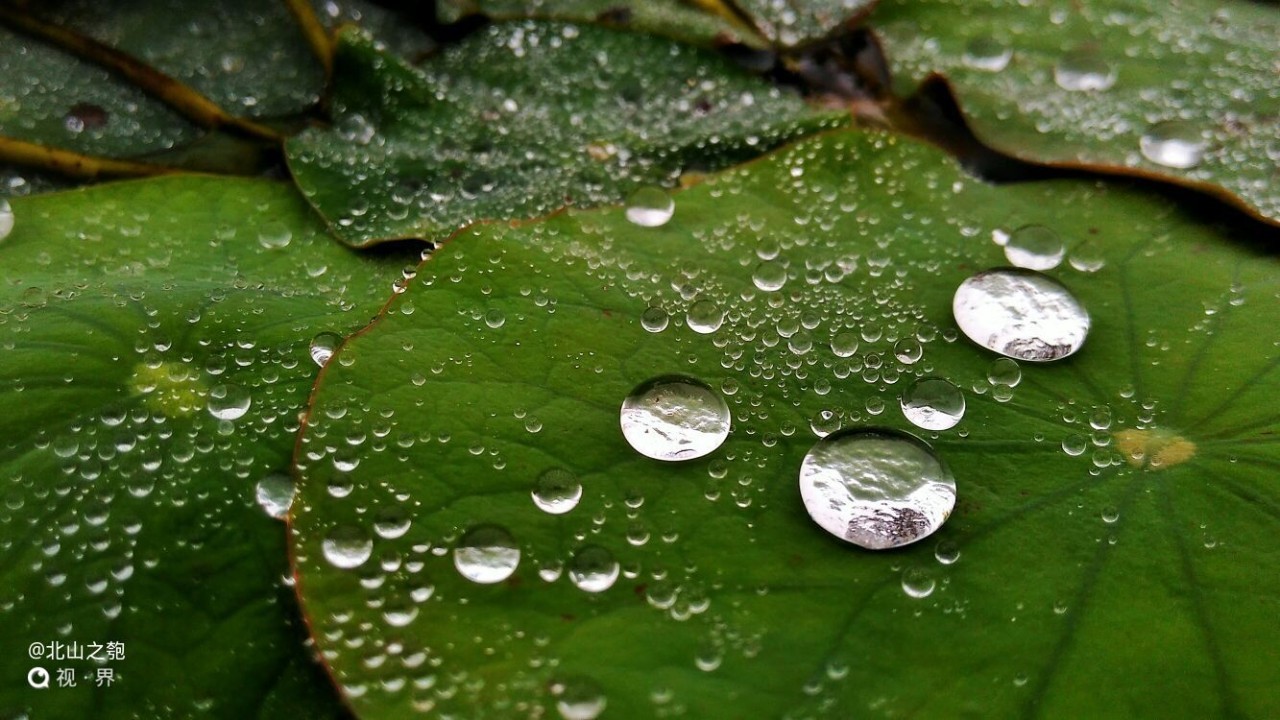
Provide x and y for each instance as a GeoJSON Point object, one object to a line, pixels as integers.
{"type": "Point", "coordinates": [1084, 70]}
{"type": "Point", "coordinates": [486, 554]}
{"type": "Point", "coordinates": [347, 546]}
{"type": "Point", "coordinates": [947, 552]}
{"type": "Point", "coordinates": [1035, 247]}
{"type": "Point", "coordinates": [391, 522]}
{"type": "Point", "coordinates": [674, 417]}
{"type": "Point", "coordinates": [877, 489]}
{"type": "Point", "coordinates": [593, 569]}
{"type": "Point", "coordinates": [323, 346]}
{"type": "Point", "coordinates": [228, 402]}
{"type": "Point", "coordinates": [579, 698]}
{"type": "Point", "coordinates": [769, 275]}
{"type": "Point", "coordinates": [1020, 314]}
{"type": "Point", "coordinates": [557, 491]}
{"type": "Point", "coordinates": [654, 319]}
{"type": "Point", "coordinates": [650, 207]}
{"type": "Point", "coordinates": [987, 54]}
{"type": "Point", "coordinates": [1004, 372]}
{"type": "Point", "coordinates": [6, 219]}
{"type": "Point", "coordinates": [933, 403]}
{"type": "Point", "coordinates": [1177, 144]}
{"type": "Point", "coordinates": [704, 316]}
{"type": "Point", "coordinates": [918, 583]}
{"type": "Point", "coordinates": [275, 235]}
{"type": "Point", "coordinates": [274, 494]}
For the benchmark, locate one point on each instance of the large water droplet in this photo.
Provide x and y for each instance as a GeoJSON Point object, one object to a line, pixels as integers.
{"type": "Point", "coordinates": [228, 402]}
{"type": "Point", "coordinates": [323, 346]}
{"type": "Point", "coordinates": [1020, 314]}
{"type": "Point", "coordinates": [275, 494]}
{"type": "Point", "coordinates": [918, 583]}
{"type": "Point", "coordinates": [1173, 143]}
{"type": "Point", "coordinates": [987, 53]}
{"type": "Point", "coordinates": [933, 404]}
{"type": "Point", "coordinates": [487, 554]}
{"type": "Point", "coordinates": [593, 569]}
{"type": "Point", "coordinates": [557, 491]}
{"type": "Point", "coordinates": [704, 317]}
{"type": "Point", "coordinates": [650, 207]}
{"type": "Point", "coordinates": [275, 235]}
{"type": "Point", "coordinates": [769, 275]}
{"type": "Point", "coordinates": [578, 698]}
{"type": "Point", "coordinates": [1035, 247]}
{"type": "Point", "coordinates": [1084, 70]}
{"type": "Point", "coordinates": [674, 417]}
{"type": "Point", "coordinates": [654, 319]}
{"type": "Point", "coordinates": [6, 219]}
{"type": "Point", "coordinates": [876, 488]}
{"type": "Point", "coordinates": [347, 546]}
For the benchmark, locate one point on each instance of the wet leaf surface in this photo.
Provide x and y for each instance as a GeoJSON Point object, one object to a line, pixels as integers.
{"type": "Point", "coordinates": [1115, 508]}
{"type": "Point", "coordinates": [1184, 90]}
{"type": "Point", "coordinates": [156, 353]}
{"type": "Point", "coordinates": [522, 118]}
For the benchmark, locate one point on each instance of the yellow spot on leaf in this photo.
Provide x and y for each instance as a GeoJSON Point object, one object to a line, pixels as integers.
{"type": "Point", "coordinates": [171, 389]}
{"type": "Point", "coordinates": [1154, 449]}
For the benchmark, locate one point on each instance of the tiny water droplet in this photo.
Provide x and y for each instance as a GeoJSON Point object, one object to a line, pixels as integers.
{"type": "Point", "coordinates": [557, 491]}
{"type": "Point", "coordinates": [347, 547]}
{"type": "Point", "coordinates": [1173, 143]}
{"type": "Point", "coordinates": [1020, 314]}
{"type": "Point", "coordinates": [650, 207]}
{"type": "Point", "coordinates": [593, 569]}
{"type": "Point", "coordinates": [1035, 247]}
{"type": "Point", "coordinates": [876, 488]}
{"type": "Point", "coordinates": [933, 404]}
{"type": "Point", "coordinates": [486, 554]}
{"type": "Point", "coordinates": [674, 417]}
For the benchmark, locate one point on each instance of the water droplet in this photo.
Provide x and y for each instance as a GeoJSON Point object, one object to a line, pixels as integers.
{"type": "Point", "coordinates": [947, 552]}
{"type": "Point", "coordinates": [578, 699]}
{"type": "Point", "coordinates": [844, 344]}
{"type": "Point", "coordinates": [876, 488]}
{"type": "Point", "coordinates": [1004, 372]}
{"type": "Point", "coordinates": [1110, 515]}
{"type": "Point", "coordinates": [654, 319]}
{"type": "Point", "coordinates": [392, 522]}
{"type": "Point", "coordinates": [1035, 247]}
{"type": "Point", "coordinates": [1020, 314]}
{"type": "Point", "coordinates": [769, 276]}
{"type": "Point", "coordinates": [486, 554]}
{"type": "Point", "coordinates": [557, 491]}
{"type": "Point", "coordinates": [495, 319]}
{"type": "Point", "coordinates": [650, 207]}
{"type": "Point", "coordinates": [987, 53]}
{"type": "Point", "coordinates": [275, 235]}
{"type": "Point", "coordinates": [1173, 143]}
{"type": "Point", "coordinates": [593, 569]}
{"type": "Point", "coordinates": [1084, 70]}
{"type": "Point", "coordinates": [323, 346]}
{"type": "Point", "coordinates": [228, 402]}
{"type": "Point", "coordinates": [275, 494]}
{"type": "Point", "coordinates": [1087, 257]}
{"type": "Point", "coordinates": [908, 350]}
{"type": "Point", "coordinates": [918, 583]}
{"type": "Point", "coordinates": [347, 547]}
{"type": "Point", "coordinates": [704, 317]}
{"type": "Point", "coordinates": [6, 219]}
{"type": "Point", "coordinates": [674, 418]}
{"type": "Point", "coordinates": [1074, 444]}
{"type": "Point", "coordinates": [933, 404]}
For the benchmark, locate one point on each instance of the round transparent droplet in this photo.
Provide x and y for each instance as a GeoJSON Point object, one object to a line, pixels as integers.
{"type": "Point", "coordinates": [650, 207]}
{"type": "Point", "coordinates": [654, 319]}
{"type": "Point", "coordinates": [918, 583]}
{"type": "Point", "coordinates": [1084, 70]}
{"type": "Point", "coordinates": [228, 402]}
{"type": "Point", "coordinates": [1004, 372]}
{"type": "Point", "coordinates": [1035, 247]}
{"type": "Point", "coordinates": [274, 494]}
{"type": "Point", "coordinates": [275, 235]}
{"type": "Point", "coordinates": [323, 346]}
{"type": "Point", "coordinates": [579, 698]}
{"type": "Point", "coordinates": [769, 276]}
{"type": "Point", "coordinates": [557, 491]}
{"type": "Point", "coordinates": [486, 554]}
{"type": "Point", "coordinates": [391, 522]}
{"type": "Point", "coordinates": [1074, 444]}
{"type": "Point", "coordinates": [844, 344]}
{"type": "Point", "coordinates": [1174, 143]}
{"type": "Point", "coordinates": [933, 404]}
{"type": "Point", "coordinates": [495, 319]}
{"type": "Point", "coordinates": [347, 546]}
{"type": "Point", "coordinates": [877, 489]}
{"type": "Point", "coordinates": [6, 219]}
{"type": "Point", "coordinates": [908, 350]}
{"type": "Point", "coordinates": [988, 54]}
{"type": "Point", "coordinates": [593, 569]}
{"type": "Point", "coordinates": [1087, 257]}
{"type": "Point", "coordinates": [674, 417]}
{"type": "Point", "coordinates": [1020, 314]}
{"type": "Point", "coordinates": [947, 552]}
{"type": "Point", "coordinates": [704, 317]}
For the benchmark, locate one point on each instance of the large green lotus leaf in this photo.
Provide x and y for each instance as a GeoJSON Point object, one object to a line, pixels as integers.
{"type": "Point", "coordinates": [754, 22]}
{"type": "Point", "coordinates": [521, 118]}
{"type": "Point", "coordinates": [156, 353]}
{"type": "Point", "coordinates": [55, 99]}
{"type": "Point", "coordinates": [1196, 78]}
{"type": "Point", "coordinates": [1116, 509]}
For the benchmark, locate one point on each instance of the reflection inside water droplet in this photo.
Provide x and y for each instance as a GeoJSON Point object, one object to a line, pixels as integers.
{"type": "Point", "coordinates": [557, 491]}
{"type": "Point", "coordinates": [323, 345]}
{"type": "Point", "coordinates": [650, 207]}
{"type": "Point", "coordinates": [578, 698]}
{"type": "Point", "coordinates": [1035, 247]}
{"type": "Point", "coordinates": [487, 554]}
{"type": "Point", "coordinates": [876, 488]}
{"type": "Point", "coordinates": [704, 317]}
{"type": "Point", "coordinates": [769, 275]}
{"type": "Point", "coordinates": [918, 583]}
{"type": "Point", "coordinates": [593, 569]}
{"type": "Point", "coordinates": [933, 404]}
{"type": "Point", "coordinates": [274, 494]}
{"type": "Point", "coordinates": [1174, 143]}
{"type": "Point", "coordinates": [1084, 70]}
{"type": "Point", "coordinates": [674, 418]}
{"type": "Point", "coordinates": [347, 547]}
{"type": "Point", "coordinates": [654, 319]}
{"type": "Point", "coordinates": [1020, 314]}
{"type": "Point", "coordinates": [228, 402]}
